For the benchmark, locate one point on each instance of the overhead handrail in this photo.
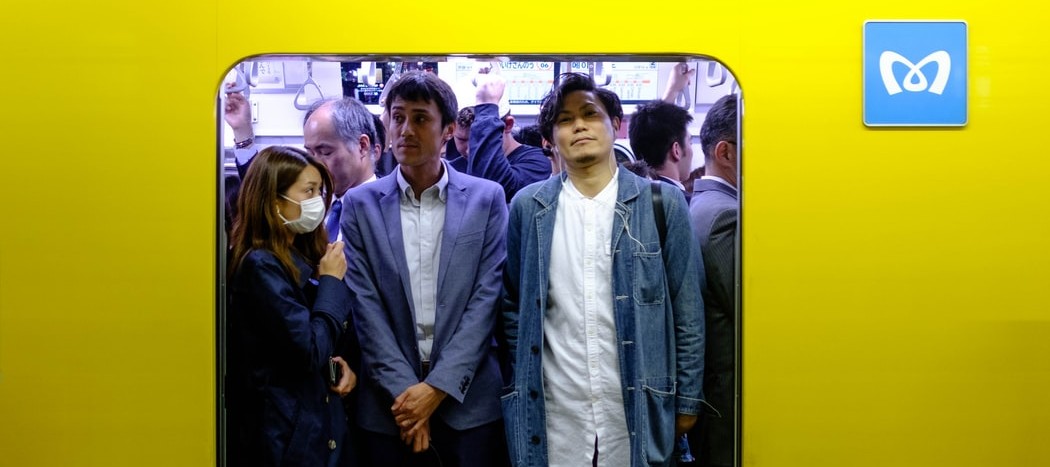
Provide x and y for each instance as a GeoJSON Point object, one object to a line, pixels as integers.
{"type": "Point", "coordinates": [682, 98]}
{"type": "Point", "coordinates": [601, 80]}
{"type": "Point", "coordinates": [244, 72]}
{"type": "Point", "coordinates": [394, 76]}
{"type": "Point", "coordinates": [365, 75]}
{"type": "Point", "coordinates": [301, 92]}
{"type": "Point", "coordinates": [714, 68]}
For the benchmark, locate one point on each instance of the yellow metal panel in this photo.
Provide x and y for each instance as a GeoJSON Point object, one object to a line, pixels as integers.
{"type": "Point", "coordinates": [895, 285]}
{"type": "Point", "coordinates": [896, 306]}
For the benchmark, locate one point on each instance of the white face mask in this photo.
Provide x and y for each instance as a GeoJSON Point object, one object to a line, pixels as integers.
{"type": "Point", "coordinates": [311, 213]}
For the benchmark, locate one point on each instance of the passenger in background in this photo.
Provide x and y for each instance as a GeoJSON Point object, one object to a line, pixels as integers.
{"type": "Point", "coordinates": [639, 168]}
{"type": "Point", "coordinates": [461, 139]}
{"type": "Point", "coordinates": [386, 163]}
{"type": "Point", "coordinates": [530, 136]}
{"type": "Point", "coordinates": [342, 135]}
{"type": "Point", "coordinates": [492, 153]}
{"type": "Point", "coordinates": [426, 251]}
{"type": "Point", "coordinates": [238, 114]}
{"type": "Point", "coordinates": [693, 177]}
{"type": "Point", "coordinates": [288, 306]}
{"type": "Point", "coordinates": [602, 315]}
{"type": "Point", "coordinates": [340, 132]}
{"type": "Point", "coordinates": [713, 212]}
{"type": "Point", "coordinates": [659, 134]}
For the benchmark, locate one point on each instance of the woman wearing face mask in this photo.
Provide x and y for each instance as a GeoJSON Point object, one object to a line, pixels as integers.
{"type": "Point", "coordinates": [288, 308]}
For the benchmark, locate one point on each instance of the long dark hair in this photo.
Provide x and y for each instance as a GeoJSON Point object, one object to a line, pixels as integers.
{"type": "Point", "coordinates": [257, 225]}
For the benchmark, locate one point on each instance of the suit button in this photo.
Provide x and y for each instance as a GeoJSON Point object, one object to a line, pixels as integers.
{"type": "Point", "coordinates": [533, 394]}
{"type": "Point", "coordinates": [331, 444]}
{"type": "Point", "coordinates": [537, 303]}
{"type": "Point", "coordinates": [535, 440]}
{"type": "Point", "coordinates": [345, 324]}
{"type": "Point", "coordinates": [534, 350]}
{"type": "Point", "coordinates": [326, 399]}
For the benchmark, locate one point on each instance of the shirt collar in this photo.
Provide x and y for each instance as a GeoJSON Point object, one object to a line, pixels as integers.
{"type": "Point", "coordinates": [673, 182]}
{"type": "Point", "coordinates": [607, 194]}
{"type": "Point", "coordinates": [442, 183]}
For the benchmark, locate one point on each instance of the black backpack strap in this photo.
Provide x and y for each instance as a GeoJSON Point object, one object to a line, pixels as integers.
{"type": "Point", "coordinates": [658, 212]}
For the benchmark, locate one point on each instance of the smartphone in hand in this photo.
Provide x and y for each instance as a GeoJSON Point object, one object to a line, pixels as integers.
{"type": "Point", "coordinates": [335, 372]}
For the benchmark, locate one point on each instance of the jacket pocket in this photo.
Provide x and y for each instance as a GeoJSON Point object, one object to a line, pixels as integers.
{"type": "Point", "coordinates": [659, 406]}
{"type": "Point", "coordinates": [649, 280]}
{"type": "Point", "coordinates": [281, 417]}
{"type": "Point", "coordinates": [513, 417]}
{"type": "Point", "coordinates": [471, 237]}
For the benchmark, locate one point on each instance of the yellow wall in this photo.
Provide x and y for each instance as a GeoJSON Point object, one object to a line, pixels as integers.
{"type": "Point", "coordinates": [896, 304]}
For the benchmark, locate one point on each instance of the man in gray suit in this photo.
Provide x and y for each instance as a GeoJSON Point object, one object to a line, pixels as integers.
{"type": "Point", "coordinates": [425, 251]}
{"type": "Point", "coordinates": [713, 213]}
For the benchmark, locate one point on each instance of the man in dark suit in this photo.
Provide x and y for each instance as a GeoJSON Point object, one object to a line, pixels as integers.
{"type": "Point", "coordinates": [659, 133]}
{"type": "Point", "coordinates": [713, 214]}
{"type": "Point", "coordinates": [425, 250]}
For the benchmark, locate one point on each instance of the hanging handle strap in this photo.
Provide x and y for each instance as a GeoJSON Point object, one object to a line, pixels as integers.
{"type": "Point", "coordinates": [302, 89]}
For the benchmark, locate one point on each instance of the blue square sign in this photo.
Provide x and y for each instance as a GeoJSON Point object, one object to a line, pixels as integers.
{"type": "Point", "coordinates": [915, 73]}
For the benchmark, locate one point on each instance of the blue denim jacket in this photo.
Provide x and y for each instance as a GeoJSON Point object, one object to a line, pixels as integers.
{"type": "Point", "coordinates": [658, 314]}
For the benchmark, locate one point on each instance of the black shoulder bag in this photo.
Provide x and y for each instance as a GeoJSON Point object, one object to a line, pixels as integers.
{"type": "Point", "coordinates": [658, 212]}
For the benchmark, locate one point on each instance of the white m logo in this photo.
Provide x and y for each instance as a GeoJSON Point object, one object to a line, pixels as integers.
{"type": "Point", "coordinates": [915, 81]}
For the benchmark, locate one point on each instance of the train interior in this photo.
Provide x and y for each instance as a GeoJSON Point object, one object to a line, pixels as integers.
{"type": "Point", "coordinates": [280, 88]}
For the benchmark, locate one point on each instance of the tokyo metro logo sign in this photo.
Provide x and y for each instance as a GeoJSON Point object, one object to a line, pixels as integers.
{"type": "Point", "coordinates": [915, 73]}
{"type": "Point", "coordinates": [915, 81]}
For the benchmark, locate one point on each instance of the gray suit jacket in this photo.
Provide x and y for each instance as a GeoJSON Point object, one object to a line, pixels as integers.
{"type": "Point", "coordinates": [463, 359]}
{"type": "Point", "coordinates": [713, 213]}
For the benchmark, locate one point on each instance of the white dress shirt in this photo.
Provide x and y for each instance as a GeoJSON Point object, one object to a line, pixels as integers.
{"type": "Point", "coordinates": [422, 225]}
{"type": "Point", "coordinates": [581, 370]}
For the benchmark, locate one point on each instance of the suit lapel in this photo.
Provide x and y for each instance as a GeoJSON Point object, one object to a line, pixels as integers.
{"type": "Point", "coordinates": [455, 207]}
{"type": "Point", "coordinates": [390, 205]}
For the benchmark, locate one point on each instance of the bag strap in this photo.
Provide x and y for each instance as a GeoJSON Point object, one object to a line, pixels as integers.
{"type": "Point", "coordinates": [658, 212]}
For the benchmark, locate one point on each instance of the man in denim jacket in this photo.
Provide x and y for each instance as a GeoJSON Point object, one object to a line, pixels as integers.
{"type": "Point", "coordinates": [603, 321]}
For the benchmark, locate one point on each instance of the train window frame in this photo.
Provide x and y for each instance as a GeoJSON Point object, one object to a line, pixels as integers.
{"type": "Point", "coordinates": [715, 74]}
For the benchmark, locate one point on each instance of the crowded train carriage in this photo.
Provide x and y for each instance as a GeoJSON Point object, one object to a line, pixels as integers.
{"type": "Point", "coordinates": [355, 155]}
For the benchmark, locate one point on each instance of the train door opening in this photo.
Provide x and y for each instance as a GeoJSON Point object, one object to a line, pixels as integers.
{"type": "Point", "coordinates": [262, 102]}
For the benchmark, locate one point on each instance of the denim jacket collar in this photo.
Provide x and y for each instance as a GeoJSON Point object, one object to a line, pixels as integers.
{"type": "Point", "coordinates": [547, 195]}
